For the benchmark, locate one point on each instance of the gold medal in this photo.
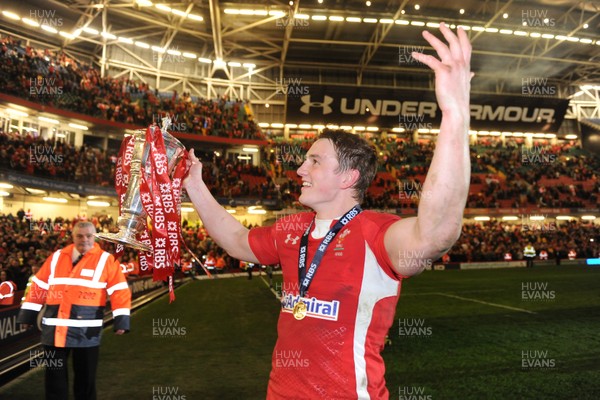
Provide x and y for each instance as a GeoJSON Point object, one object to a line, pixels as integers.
{"type": "Point", "coordinates": [299, 310]}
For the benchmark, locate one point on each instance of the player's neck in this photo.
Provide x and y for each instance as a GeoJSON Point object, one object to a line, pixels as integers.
{"type": "Point", "coordinates": [333, 211]}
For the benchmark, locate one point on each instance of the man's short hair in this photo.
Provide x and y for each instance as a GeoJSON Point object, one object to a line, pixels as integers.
{"type": "Point", "coordinates": [83, 225]}
{"type": "Point", "coordinates": [354, 152]}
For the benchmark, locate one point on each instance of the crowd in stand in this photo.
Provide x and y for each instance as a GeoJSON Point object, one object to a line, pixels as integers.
{"type": "Point", "coordinates": [27, 242]}
{"type": "Point", "coordinates": [56, 159]}
{"type": "Point", "coordinates": [55, 79]}
{"type": "Point", "coordinates": [490, 241]}
{"type": "Point", "coordinates": [499, 172]}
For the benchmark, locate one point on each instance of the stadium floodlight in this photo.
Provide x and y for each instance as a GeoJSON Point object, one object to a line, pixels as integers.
{"type": "Point", "coordinates": [398, 22]}
{"type": "Point", "coordinates": [163, 7]}
{"type": "Point", "coordinates": [125, 40]}
{"type": "Point", "coordinates": [353, 19]}
{"type": "Point", "coordinates": [246, 12]}
{"type": "Point", "coordinates": [520, 33]}
{"type": "Point", "coordinates": [548, 36]}
{"type": "Point", "coordinates": [537, 218]}
{"type": "Point", "coordinates": [319, 17]}
{"type": "Point", "coordinates": [17, 113]}
{"type": "Point", "coordinates": [231, 211]}
{"type": "Point", "coordinates": [50, 29]}
{"type": "Point", "coordinates": [142, 45]}
{"type": "Point", "coordinates": [510, 218]}
{"type": "Point", "coordinates": [66, 35]}
{"type": "Point", "coordinates": [506, 31]}
{"type": "Point", "coordinates": [346, 127]}
{"type": "Point", "coordinates": [30, 22]}
{"type": "Point", "coordinates": [256, 210]}
{"type": "Point", "coordinates": [189, 55]}
{"type": "Point", "coordinates": [205, 60]}
{"type": "Point", "coordinates": [11, 15]}
{"type": "Point", "coordinates": [571, 137]}
{"type": "Point", "coordinates": [144, 3]}
{"type": "Point", "coordinates": [564, 217]}
{"type": "Point", "coordinates": [359, 128]}
{"type": "Point", "coordinates": [232, 11]}
{"type": "Point", "coordinates": [386, 21]}
{"type": "Point", "coordinates": [263, 124]}
{"type": "Point", "coordinates": [332, 126]}
{"type": "Point", "coordinates": [174, 52]}
{"type": "Point", "coordinates": [4, 194]}
{"type": "Point", "coordinates": [91, 31]}
{"type": "Point", "coordinates": [372, 128]}
{"type": "Point", "coordinates": [195, 17]}
{"type": "Point", "coordinates": [291, 126]}
{"type": "Point", "coordinates": [491, 30]}
{"type": "Point", "coordinates": [586, 41]}
{"type": "Point", "coordinates": [301, 16]}
{"type": "Point", "coordinates": [304, 126]}
{"type": "Point", "coordinates": [158, 49]}
{"type": "Point", "coordinates": [4, 185]}
{"type": "Point", "coordinates": [55, 200]}
{"type": "Point", "coordinates": [249, 65]}
{"type": "Point", "coordinates": [535, 34]}
{"type": "Point", "coordinates": [250, 149]}
{"type": "Point", "coordinates": [370, 20]}
{"type": "Point", "coordinates": [478, 29]}
{"type": "Point", "coordinates": [336, 18]}
{"type": "Point", "coordinates": [48, 120]}
{"type": "Point", "coordinates": [278, 125]}
{"type": "Point", "coordinates": [397, 129]}
{"type": "Point", "coordinates": [108, 35]}
{"type": "Point", "coordinates": [77, 126]}
{"type": "Point", "coordinates": [98, 203]}
{"type": "Point", "coordinates": [417, 23]}
{"type": "Point", "coordinates": [573, 39]}
{"type": "Point", "coordinates": [179, 13]}
{"type": "Point", "coordinates": [482, 218]}
{"type": "Point", "coordinates": [433, 24]}
{"type": "Point", "coordinates": [35, 191]}
{"type": "Point", "coordinates": [588, 217]}
{"type": "Point", "coordinates": [234, 64]}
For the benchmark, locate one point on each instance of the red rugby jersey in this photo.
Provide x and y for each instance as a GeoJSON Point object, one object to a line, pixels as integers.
{"type": "Point", "coordinates": [334, 352]}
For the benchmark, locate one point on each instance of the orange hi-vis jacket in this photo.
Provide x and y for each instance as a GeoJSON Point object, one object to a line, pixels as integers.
{"type": "Point", "coordinates": [75, 298]}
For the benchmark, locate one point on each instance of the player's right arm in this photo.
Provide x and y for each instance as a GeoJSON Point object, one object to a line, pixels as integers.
{"type": "Point", "coordinates": [222, 227]}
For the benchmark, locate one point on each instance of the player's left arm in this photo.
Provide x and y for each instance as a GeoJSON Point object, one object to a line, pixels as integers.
{"type": "Point", "coordinates": [411, 242]}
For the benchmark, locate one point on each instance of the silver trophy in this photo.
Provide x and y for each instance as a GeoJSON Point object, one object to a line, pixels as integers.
{"type": "Point", "coordinates": [132, 218]}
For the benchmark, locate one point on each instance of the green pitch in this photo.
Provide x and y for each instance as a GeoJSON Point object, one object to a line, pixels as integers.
{"type": "Point", "coordinates": [491, 334]}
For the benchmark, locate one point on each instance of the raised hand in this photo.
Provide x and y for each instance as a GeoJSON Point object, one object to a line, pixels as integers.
{"type": "Point", "coordinates": [452, 70]}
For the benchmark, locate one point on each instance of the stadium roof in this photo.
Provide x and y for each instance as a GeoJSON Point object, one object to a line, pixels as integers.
{"type": "Point", "coordinates": [342, 41]}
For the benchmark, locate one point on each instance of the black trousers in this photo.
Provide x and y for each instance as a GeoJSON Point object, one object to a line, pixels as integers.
{"type": "Point", "coordinates": [85, 363]}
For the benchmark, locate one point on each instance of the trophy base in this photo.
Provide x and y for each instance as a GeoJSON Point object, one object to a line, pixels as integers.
{"type": "Point", "coordinates": [118, 238]}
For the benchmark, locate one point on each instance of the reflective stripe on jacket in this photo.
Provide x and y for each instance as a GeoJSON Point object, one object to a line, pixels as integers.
{"type": "Point", "coordinates": [75, 298]}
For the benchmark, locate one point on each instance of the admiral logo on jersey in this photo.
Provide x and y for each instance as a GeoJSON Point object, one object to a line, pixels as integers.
{"type": "Point", "coordinates": [316, 308]}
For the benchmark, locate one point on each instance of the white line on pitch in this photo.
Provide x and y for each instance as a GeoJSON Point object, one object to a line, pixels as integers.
{"type": "Point", "coordinates": [270, 288]}
{"type": "Point", "coordinates": [487, 302]}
